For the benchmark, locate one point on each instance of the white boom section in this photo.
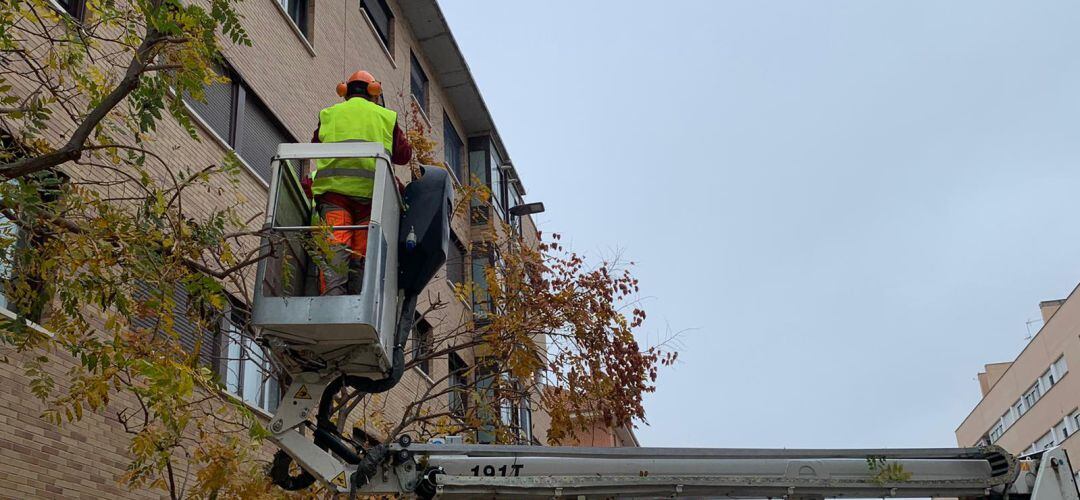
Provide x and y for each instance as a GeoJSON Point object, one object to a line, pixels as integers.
{"type": "Point", "coordinates": [489, 471]}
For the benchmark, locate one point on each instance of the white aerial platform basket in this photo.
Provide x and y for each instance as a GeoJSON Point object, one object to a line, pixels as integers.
{"type": "Point", "coordinates": [353, 332]}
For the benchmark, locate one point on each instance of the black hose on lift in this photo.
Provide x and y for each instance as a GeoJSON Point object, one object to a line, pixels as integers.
{"type": "Point", "coordinates": [326, 435]}
{"type": "Point", "coordinates": [423, 238]}
{"type": "Point", "coordinates": [368, 385]}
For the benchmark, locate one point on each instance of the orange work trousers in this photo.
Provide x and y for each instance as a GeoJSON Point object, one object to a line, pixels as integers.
{"type": "Point", "coordinates": [345, 271]}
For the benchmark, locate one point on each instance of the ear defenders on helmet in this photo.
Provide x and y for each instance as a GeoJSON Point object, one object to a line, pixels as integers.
{"type": "Point", "coordinates": [373, 89]}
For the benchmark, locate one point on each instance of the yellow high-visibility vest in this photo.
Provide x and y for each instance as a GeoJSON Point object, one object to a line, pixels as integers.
{"type": "Point", "coordinates": [356, 119]}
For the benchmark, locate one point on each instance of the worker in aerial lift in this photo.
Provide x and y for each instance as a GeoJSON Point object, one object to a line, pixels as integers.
{"type": "Point", "coordinates": [342, 187]}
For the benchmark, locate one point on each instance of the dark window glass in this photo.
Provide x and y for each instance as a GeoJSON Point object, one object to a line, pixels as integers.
{"type": "Point", "coordinates": [422, 344]}
{"type": "Point", "coordinates": [455, 261]}
{"type": "Point", "coordinates": [515, 200]}
{"type": "Point", "coordinates": [218, 109]}
{"type": "Point", "coordinates": [481, 261]}
{"type": "Point", "coordinates": [247, 369]}
{"type": "Point", "coordinates": [498, 184]}
{"type": "Point", "coordinates": [487, 408]}
{"type": "Point", "coordinates": [240, 119]}
{"type": "Point", "coordinates": [452, 149]}
{"type": "Point", "coordinates": [9, 233]}
{"type": "Point", "coordinates": [381, 17]}
{"type": "Point", "coordinates": [260, 133]}
{"type": "Point", "coordinates": [297, 10]}
{"type": "Point", "coordinates": [459, 397]}
{"type": "Point", "coordinates": [191, 334]}
{"type": "Point", "coordinates": [74, 7]}
{"type": "Point", "coordinates": [419, 83]}
{"type": "Point", "coordinates": [479, 173]}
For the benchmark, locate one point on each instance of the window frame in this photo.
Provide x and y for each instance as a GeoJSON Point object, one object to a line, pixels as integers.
{"type": "Point", "coordinates": [1061, 429]}
{"type": "Point", "coordinates": [486, 159]}
{"type": "Point", "coordinates": [241, 97]}
{"type": "Point", "coordinates": [525, 419]}
{"type": "Point", "coordinates": [422, 343]}
{"type": "Point", "coordinates": [996, 432]}
{"type": "Point", "coordinates": [77, 11]}
{"type": "Point", "coordinates": [233, 340]}
{"type": "Point", "coordinates": [1046, 444]}
{"type": "Point", "coordinates": [458, 247]}
{"type": "Point", "coordinates": [497, 184]}
{"type": "Point", "coordinates": [385, 39]}
{"type": "Point", "coordinates": [478, 257]}
{"type": "Point", "coordinates": [300, 16]}
{"type": "Point", "coordinates": [416, 69]}
{"type": "Point", "coordinates": [1035, 392]}
{"type": "Point", "coordinates": [457, 376]}
{"type": "Point", "coordinates": [450, 132]}
{"type": "Point", "coordinates": [8, 229]}
{"type": "Point", "coordinates": [1059, 368]}
{"type": "Point", "coordinates": [516, 198]}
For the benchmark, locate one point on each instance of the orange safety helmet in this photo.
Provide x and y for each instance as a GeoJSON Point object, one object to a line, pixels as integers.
{"type": "Point", "coordinates": [374, 88]}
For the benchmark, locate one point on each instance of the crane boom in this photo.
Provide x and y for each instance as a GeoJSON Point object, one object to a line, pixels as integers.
{"type": "Point", "coordinates": [493, 471]}
{"type": "Point", "coordinates": [334, 350]}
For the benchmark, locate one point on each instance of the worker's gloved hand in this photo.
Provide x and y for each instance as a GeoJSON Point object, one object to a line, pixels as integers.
{"type": "Point", "coordinates": [305, 183]}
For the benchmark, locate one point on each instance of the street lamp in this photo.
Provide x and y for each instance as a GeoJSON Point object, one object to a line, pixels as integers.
{"type": "Point", "coordinates": [527, 209]}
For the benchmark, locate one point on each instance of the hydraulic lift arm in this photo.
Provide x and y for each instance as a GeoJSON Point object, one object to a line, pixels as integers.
{"type": "Point", "coordinates": [491, 471]}
{"type": "Point", "coordinates": [335, 350]}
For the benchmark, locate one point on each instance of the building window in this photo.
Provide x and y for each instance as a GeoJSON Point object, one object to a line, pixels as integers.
{"type": "Point", "coordinates": [247, 366]}
{"type": "Point", "coordinates": [458, 382]}
{"type": "Point", "coordinates": [298, 12]}
{"type": "Point", "coordinates": [498, 184]}
{"type": "Point", "coordinates": [455, 261]}
{"type": "Point", "coordinates": [515, 200]}
{"type": "Point", "coordinates": [526, 421]}
{"type": "Point", "coordinates": [996, 433]}
{"type": "Point", "coordinates": [188, 320]}
{"type": "Point", "coordinates": [419, 83]}
{"type": "Point", "coordinates": [453, 149]}
{"type": "Point", "coordinates": [484, 166]}
{"type": "Point", "coordinates": [1045, 442]}
{"type": "Point", "coordinates": [1032, 396]}
{"type": "Point", "coordinates": [243, 121]}
{"type": "Point", "coordinates": [1061, 430]}
{"type": "Point", "coordinates": [1059, 368]}
{"type": "Point", "coordinates": [480, 212]}
{"type": "Point", "coordinates": [481, 299]}
{"type": "Point", "coordinates": [487, 409]}
{"type": "Point", "coordinates": [76, 8]}
{"type": "Point", "coordinates": [1019, 407]}
{"type": "Point", "coordinates": [1047, 380]}
{"type": "Point", "coordinates": [219, 107]}
{"type": "Point", "coordinates": [510, 414]}
{"type": "Point", "coordinates": [422, 345]}
{"type": "Point", "coordinates": [381, 18]}
{"type": "Point", "coordinates": [9, 239]}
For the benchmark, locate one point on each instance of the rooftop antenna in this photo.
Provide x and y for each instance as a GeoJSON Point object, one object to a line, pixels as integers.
{"type": "Point", "coordinates": [1028, 324]}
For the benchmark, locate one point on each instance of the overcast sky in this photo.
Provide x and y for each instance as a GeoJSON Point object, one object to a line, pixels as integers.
{"type": "Point", "coordinates": [851, 205]}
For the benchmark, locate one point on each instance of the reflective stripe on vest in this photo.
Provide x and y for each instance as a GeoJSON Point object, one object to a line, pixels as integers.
{"type": "Point", "coordinates": [354, 120]}
{"type": "Point", "coordinates": [346, 172]}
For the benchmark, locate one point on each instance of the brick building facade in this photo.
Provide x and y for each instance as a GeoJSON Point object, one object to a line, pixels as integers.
{"type": "Point", "coordinates": [301, 49]}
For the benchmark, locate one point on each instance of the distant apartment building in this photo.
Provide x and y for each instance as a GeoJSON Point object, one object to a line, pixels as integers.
{"type": "Point", "coordinates": [1032, 403]}
{"type": "Point", "coordinates": [301, 50]}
